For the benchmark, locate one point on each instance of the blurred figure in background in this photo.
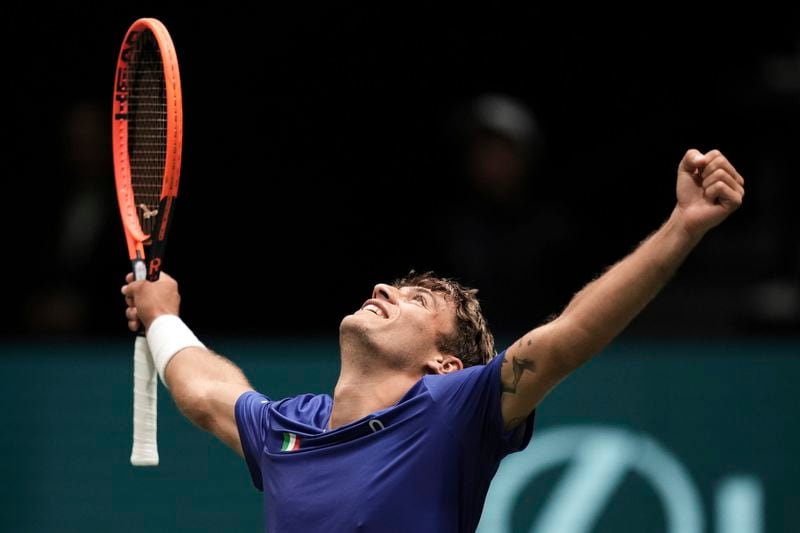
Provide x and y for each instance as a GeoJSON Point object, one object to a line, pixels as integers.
{"type": "Point", "coordinates": [503, 227]}
{"type": "Point", "coordinates": [74, 248]}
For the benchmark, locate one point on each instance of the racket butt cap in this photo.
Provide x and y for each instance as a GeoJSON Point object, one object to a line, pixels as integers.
{"type": "Point", "coordinates": [139, 459]}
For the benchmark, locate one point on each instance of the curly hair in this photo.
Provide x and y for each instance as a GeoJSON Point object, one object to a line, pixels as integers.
{"type": "Point", "coordinates": [472, 341]}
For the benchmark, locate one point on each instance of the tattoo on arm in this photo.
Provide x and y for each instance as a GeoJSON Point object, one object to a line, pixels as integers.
{"type": "Point", "coordinates": [518, 365]}
{"type": "Point", "coordinates": [521, 341]}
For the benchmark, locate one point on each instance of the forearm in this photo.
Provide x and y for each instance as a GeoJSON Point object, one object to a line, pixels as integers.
{"type": "Point", "coordinates": [169, 337]}
{"type": "Point", "coordinates": [204, 385]}
{"type": "Point", "coordinates": [195, 376]}
{"type": "Point", "coordinates": [602, 309]}
{"type": "Point", "coordinates": [197, 365]}
{"type": "Point", "coordinates": [708, 190]}
{"type": "Point", "coordinates": [599, 312]}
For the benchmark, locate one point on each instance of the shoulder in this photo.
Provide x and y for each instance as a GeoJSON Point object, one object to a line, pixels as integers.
{"type": "Point", "coordinates": [477, 376]}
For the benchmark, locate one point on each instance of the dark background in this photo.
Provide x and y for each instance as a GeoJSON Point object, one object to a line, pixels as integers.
{"type": "Point", "coordinates": [322, 155]}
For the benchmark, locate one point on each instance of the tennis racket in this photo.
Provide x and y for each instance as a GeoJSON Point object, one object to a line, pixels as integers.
{"type": "Point", "coordinates": [147, 137]}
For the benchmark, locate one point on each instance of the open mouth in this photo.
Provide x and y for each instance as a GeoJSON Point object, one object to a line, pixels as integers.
{"type": "Point", "coordinates": [373, 307]}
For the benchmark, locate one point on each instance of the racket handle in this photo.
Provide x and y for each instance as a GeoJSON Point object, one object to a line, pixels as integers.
{"type": "Point", "coordinates": [145, 404]}
{"type": "Point", "coordinates": [145, 395]}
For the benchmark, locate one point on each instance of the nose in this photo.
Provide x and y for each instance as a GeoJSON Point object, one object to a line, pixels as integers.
{"type": "Point", "coordinates": [383, 291]}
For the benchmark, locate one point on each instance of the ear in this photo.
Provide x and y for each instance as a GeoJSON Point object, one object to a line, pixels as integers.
{"type": "Point", "coordinates": [444, 364]}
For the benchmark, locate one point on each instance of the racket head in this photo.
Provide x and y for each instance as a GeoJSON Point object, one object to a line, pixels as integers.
{"type": "Point", "coordinates": [147, 135]}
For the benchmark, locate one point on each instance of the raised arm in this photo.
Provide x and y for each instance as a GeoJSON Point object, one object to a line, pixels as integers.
{"type": "Point", "coordinates": [204, 385]}
{"type": "Point", "coordinates": [708, 190]}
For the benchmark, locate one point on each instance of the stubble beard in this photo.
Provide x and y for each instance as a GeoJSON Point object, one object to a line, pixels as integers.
{"type": "Point", "coordinates": [355, 343]}
{"type": "Point", "coordinates": [359, 349]}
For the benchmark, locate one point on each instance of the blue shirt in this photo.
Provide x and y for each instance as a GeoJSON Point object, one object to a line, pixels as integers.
{"type": "Point", "coordinates": [422, 465]}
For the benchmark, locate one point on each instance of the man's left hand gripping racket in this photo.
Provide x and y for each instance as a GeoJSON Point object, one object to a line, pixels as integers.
{"type": "Point", "coordinates": [147, 137]}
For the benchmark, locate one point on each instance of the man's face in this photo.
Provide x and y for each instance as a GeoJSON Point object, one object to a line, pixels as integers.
{"type": "Point", "coordinates": [402, 324]}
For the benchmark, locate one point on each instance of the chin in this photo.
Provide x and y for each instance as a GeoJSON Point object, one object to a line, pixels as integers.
{"type": "Point", "coordinates": [352, 323]}
{"type": "Point", "coordinates": [354, 327]}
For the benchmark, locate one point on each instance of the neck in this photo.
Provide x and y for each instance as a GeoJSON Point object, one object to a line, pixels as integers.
{"type": "Point", "coordinates": [358, 394]}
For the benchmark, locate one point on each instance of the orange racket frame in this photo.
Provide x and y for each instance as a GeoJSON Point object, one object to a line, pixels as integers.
{"type": "Point", "coordinates": [136, 238]}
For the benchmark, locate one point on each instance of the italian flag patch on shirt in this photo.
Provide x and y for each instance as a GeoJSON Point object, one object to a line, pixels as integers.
{"type": "Point", "coordinates": [291, 442]}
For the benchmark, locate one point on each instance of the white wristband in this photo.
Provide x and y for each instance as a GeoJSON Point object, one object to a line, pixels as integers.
{"type": "Point", "coordinates": [166, 336]}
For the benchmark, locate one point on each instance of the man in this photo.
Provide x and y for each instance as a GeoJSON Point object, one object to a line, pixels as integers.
{"type": "Point", "coordinates": [411, 438]}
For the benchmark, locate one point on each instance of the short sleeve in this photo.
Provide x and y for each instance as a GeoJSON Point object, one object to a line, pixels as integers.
{"type": "Point", "coordinates": [251, 411]}
{"type": "Point", "coordinates": [471, 398]}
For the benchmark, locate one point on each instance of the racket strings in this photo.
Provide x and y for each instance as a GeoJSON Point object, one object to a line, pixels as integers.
{"type": "Point", "coordinates": [147, 128]}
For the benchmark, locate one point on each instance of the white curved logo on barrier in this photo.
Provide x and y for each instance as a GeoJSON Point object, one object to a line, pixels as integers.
{"type": "Point", "coordinates": [597, 458]}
